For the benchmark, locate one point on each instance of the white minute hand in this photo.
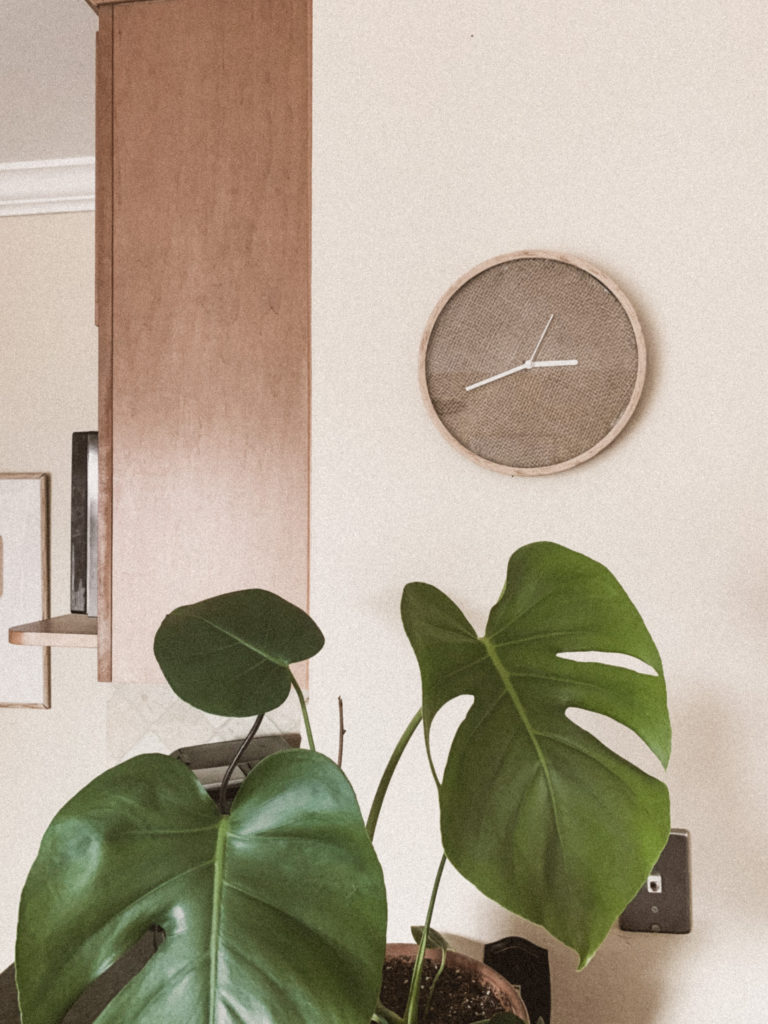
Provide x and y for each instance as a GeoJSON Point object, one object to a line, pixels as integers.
{"type": "Point", "coordinates": [523, 366]}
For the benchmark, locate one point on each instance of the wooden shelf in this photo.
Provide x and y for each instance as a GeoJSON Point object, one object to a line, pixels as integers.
{"type": "Point", "coordinates": [61, 631]}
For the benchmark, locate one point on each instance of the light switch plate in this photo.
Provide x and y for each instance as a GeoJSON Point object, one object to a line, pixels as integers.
{"type": "Point", "coordinates": [664, 902]}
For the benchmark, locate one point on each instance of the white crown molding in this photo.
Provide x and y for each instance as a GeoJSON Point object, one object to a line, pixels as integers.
{"type": "Point", "coordinates": [47, 186]}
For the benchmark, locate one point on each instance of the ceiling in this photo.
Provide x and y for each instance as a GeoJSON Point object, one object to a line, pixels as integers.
{"type": "Point", "coordinates": [46, 80]}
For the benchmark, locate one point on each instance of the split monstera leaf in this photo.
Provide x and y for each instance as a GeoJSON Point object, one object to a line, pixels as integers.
{"type": "Point", "coordinates": [534, 810]}
{"type": "Point", "coordinates": [276, 910]}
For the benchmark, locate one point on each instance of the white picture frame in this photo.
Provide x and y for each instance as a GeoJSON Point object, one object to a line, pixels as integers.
{"type": "Point", "coordinates": [25, 671]}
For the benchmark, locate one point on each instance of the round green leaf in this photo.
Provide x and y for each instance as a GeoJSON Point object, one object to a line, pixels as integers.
{"type": "Point", "coordinates": [273, 913]}
{"type": "Point", "coordinates": [535, 811]}
{"type": "Point", "coordinates": [229, 655]}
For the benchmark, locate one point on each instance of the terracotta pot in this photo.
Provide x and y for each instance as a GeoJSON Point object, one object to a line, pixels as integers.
{"type": "Point", "coordinates": [504, 991]}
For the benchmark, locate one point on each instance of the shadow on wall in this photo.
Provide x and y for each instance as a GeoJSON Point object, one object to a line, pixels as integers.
{"type": "Point", "coordinates": [628, 980]}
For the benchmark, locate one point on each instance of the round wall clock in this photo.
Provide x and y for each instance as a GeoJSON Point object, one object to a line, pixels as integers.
{"type": "Point", "coordinates": [532, 363]}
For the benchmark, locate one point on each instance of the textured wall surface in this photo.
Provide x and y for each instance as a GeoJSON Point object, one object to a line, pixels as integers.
{"type": "Point", "coordinates": [630, 135]}
{"type": "Point", "coordinates": [634, 136]}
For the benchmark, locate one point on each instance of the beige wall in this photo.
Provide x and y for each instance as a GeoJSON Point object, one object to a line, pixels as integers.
{"type": "Point", "coordinates": [48, 390]}
{"type": "Point", "coordinates": [632, 135]}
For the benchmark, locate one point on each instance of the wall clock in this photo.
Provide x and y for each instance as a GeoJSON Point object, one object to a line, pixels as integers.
{"type": "Point", "coordinates": [532, 363]}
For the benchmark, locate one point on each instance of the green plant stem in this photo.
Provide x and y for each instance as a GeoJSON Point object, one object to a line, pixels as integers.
{"type": "Point", "coordinates": [389, 771]}
{"type": "Point", "coordinates": [383, 1015]}
{"type": "Point", "coordinates": [342, 731]}
{"type": "Point", "coordinates": [304, 715]}
{"type": "Point", "coordinates": [233, 764]}
{"type": "Point", "coordinates": [412, 1006]}
{"type": "Point", "coordinates": [433, 986]}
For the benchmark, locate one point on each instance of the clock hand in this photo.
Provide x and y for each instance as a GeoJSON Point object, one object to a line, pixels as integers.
{"type": "Point", "coordinates": [523, 366]}
{"type": "Point", "coordinates": [555, 362]}
{"type": "Point", "coordinates": [528, 365]}
{"type": "Point", "coordinates": [496, 376]}
{"type": "Point", "coordinates": [538, 343]}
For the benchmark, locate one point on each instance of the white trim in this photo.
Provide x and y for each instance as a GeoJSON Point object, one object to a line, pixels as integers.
{"type": "Point", "coordinates": [47, 186]}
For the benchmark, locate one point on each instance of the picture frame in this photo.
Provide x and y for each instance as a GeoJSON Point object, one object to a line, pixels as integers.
{"type": "Point", "coordinates": [25, 671]}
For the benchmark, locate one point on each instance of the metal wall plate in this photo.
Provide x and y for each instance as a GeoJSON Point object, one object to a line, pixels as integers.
{"type": "Point", "coordinates": [209, 761]}
{"type": "Point", "coordinates": [664, 902]}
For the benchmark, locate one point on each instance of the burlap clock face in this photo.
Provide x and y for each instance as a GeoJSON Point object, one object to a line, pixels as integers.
{"type": "Point", "coordinates": [575, 350]}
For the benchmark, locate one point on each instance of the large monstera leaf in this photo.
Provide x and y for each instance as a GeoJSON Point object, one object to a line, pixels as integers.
{"type": "Point", "coordinates": [229, 655]}
{"type": "Point", "coordinates": [535, 811]}
{"type": "Point", "coordinates": [273, 913]}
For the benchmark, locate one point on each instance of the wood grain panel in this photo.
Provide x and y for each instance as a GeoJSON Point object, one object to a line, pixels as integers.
{"type": "Point", "coordinates": [104, 161]}
{"type": "Point", "coordinates": [210, 350]}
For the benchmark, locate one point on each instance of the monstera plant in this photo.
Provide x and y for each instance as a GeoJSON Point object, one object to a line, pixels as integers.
{"type": "Point", "coordinates": [273, 910]}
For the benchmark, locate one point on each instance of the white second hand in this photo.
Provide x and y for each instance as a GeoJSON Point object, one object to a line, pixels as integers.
{"type": "Point", "coordinates": [543, 333]}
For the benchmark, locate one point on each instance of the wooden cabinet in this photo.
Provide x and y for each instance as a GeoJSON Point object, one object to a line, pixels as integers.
{"type": "Point", "coordinates": [203, 256]}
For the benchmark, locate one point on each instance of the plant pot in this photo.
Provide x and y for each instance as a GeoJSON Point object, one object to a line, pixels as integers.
{"type": "Point", "coordinates": [461, 970]}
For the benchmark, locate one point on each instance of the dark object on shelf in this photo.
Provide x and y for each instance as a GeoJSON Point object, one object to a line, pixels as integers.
{"type": "Point", "coordinates": [664, 902]}
{"type": "Point", "coordinates": [525, 965]}
{"type": "Point", "coordinates": [85, 484]}
{"type": "Point", "coordinates": [209, 761]}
